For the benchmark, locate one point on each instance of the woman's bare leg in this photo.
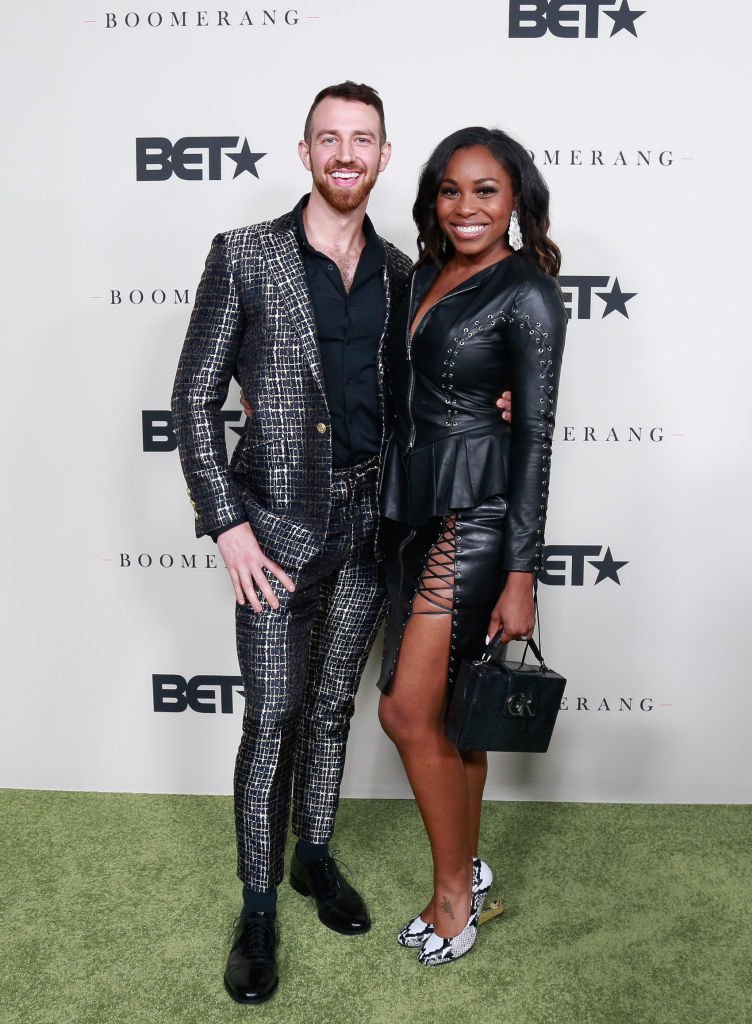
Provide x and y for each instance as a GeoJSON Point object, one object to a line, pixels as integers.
{"type": "Point", "coordinates": [475, 763]}
{"type": "Point", "coordinates": [412, 715]}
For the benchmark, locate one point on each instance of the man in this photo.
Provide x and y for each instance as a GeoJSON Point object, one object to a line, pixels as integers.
{"type": "Point", "coordinates": [295, 309]}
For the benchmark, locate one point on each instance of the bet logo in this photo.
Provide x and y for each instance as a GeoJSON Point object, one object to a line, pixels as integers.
{"type": "Point", "coordinates": [578, 291]}
{"type": "Point", "coordinates": [570, 19]}
{"type": "Point", "coordinates": [204, 694]}
{"type": "Point", "coordinates": [158, 430]}
{"type": "Point", "coordinates": [564, 565]}
{"type": "Point", "coordinates": [194, 158]}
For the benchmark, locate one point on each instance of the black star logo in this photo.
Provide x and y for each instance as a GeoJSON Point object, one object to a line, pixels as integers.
{"type": "Point", "coordinates": [608, 568]}
{"type": "Point", "coordinates": [616, 299]}
{"type": "Point", "coordinates": [246, 160]}
{"type": "Point", "coordinates": [624, 18]}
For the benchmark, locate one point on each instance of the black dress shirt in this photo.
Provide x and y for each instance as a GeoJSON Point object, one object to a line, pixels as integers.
{"type": "Point", "coordinates": [349, 326]}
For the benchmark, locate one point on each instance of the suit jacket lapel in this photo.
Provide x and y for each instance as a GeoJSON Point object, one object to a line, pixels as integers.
{"type": "Point", "coordinates": [286, 269]}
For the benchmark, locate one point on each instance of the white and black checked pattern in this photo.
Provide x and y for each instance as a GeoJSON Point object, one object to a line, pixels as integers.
{"type": "Point", "coordinates": [252, 321]}
{"type": "Point", "coordinates": [301, 667]}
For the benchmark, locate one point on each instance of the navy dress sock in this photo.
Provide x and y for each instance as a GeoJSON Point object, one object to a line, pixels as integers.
{"type": "Point", "coordinates": [307, 852]}
{"type": "Point", "coordinates": [259, 902]}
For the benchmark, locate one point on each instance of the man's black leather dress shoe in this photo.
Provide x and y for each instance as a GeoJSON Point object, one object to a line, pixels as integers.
{"type": "Point", "coordinates": [340, 907]}
{"type": "Point", "coordinates": [251, 975]}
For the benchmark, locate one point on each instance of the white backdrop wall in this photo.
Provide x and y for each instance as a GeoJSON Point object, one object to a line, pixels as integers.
{"type": "Point", "coordinates": [113, 609]}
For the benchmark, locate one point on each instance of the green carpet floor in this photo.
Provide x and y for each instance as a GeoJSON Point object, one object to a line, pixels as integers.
{"type": "Point", "coordinates": [119, 909]}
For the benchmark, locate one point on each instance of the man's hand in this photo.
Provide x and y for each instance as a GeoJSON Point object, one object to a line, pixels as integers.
{"type": "Point", "coordinates": [247, 409]}
{"type": "Point", "coordinates": [503, 404]}
{"type": "Point", "coordinates": [246, 564]}
{"type": "Point", "coordinates": [514, 612]}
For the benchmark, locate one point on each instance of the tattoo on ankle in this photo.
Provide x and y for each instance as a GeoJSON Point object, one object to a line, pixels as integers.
{"type": "Point", "coordinates": [446, 906]}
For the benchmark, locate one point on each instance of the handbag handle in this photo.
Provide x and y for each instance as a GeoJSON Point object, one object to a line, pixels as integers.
{"type": "Point", "coordinates": [531, 644]}
{"type": "Point", "coordinates": [497, 651]}
{"type": "Point", "coordinates": [536, 651]}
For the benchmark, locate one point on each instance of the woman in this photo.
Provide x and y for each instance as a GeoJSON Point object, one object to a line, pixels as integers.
{"type": "Point", "coordinates": [464, 494]}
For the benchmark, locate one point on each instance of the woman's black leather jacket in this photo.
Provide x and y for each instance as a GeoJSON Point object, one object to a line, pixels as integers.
{"type": "Point", "coordinates": [448, 449]}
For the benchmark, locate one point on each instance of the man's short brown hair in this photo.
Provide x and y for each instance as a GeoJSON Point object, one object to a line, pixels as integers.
{"type": "Point", "coordinates": [356, 94]}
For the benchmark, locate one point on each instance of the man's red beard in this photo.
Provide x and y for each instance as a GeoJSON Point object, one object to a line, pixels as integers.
{"type": "Point", "coordinates": [344, 199]}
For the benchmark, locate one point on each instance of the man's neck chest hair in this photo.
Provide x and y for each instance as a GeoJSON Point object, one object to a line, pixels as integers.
{"type": "Point", "coordinates": [346, 261]}
{"type": "Point", "coordinates": [348, 264]}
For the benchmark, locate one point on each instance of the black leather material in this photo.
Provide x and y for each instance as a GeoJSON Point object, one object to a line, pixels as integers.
{"type": "Point", "coordinates": [501, 329]}
{"type": "Point", "coordinates": [504, 705]}
{"type": "Point", "coordinates": [479, 579]}
{"type": "Point", "coordinates": [251, 975]}
{"type": "Point", "coordinates": [339, 906]}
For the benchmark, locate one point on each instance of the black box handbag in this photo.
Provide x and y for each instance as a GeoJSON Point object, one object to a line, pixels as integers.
{"type": "Point", "coordinates": [504, 705]}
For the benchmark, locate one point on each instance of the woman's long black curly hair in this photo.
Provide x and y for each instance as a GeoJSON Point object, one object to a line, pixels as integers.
{"type": "Point", "coordinates": [527, 181]}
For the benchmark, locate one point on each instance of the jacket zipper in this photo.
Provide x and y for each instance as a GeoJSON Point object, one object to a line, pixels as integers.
{"type": "Point", "coordinates": [411, 386]}
{"type": "Point", "coordinates": [380, 350]}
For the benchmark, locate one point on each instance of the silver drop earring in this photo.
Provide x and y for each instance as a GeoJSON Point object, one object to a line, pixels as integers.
{"type": "Point", "coordinates": [515, 235]}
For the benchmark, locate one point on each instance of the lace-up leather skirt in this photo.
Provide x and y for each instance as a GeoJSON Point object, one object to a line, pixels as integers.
{"type": "Point", "coordinates": [469, 543]}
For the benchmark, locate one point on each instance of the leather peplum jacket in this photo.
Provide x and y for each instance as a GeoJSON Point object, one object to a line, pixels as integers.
{"type": "Point", "coordinates": [448, 448]}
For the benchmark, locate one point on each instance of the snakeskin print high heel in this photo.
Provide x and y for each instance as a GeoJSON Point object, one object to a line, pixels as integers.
{"type": "Point", "coordinates": [437, 950]}
{"type": "Point", "coordinates": [415, 932]}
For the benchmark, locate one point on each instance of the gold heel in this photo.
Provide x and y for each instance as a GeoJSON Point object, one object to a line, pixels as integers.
{"type": "Point", "coordinates": [492, 910]}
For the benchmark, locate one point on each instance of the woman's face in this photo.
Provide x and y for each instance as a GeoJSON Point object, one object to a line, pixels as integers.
{"type": "Point", "coordinates": [474, 204]}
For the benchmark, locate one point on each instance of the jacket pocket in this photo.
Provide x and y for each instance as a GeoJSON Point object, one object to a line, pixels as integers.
{"type": "Point", "coordinates": [249, 458]}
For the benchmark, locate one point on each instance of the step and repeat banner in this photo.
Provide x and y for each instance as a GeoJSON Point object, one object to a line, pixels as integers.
{"type": "Point", "coordinates": [135, 132]}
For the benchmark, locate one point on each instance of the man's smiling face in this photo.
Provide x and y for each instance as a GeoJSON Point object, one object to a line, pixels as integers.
{"type": "Point", "coordinates": [345, 154]}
